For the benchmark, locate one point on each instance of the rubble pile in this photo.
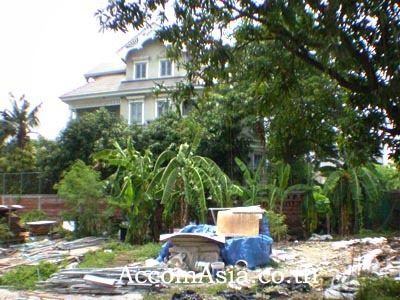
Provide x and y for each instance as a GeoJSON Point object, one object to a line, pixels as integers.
{"type": "Point", "coordinates": [55, 251]}
{"type": "Point", "coordinates": [370, 257]}
{"type": "Point", "coordinates": [104, 281]}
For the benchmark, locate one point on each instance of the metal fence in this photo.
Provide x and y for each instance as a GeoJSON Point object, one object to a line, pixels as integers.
{"type": "Point", "coordinates": [25, 183]}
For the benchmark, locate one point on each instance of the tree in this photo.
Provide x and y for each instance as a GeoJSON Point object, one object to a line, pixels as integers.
{"type": "Point", "coordinates": [18, 122]}
{"type": "Point", "coordinates": [84, 194]}
{"type": "Point", "coordinates": [168, 129]}
{"type": "Point", "coordinates": [355, 43]}
{"type": "Point", "coordinates": [229, 130]}
{"type": "Point", "coordinates": [84, 136]}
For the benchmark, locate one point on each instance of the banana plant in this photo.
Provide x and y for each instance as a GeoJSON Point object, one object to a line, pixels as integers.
{"type": "Point", "coordinates": [254, 190]}
{"type": "Point", "coordinates": [352, 190]}
{"type": "Point", "coordinates": [279, 189]}
{"type": "Point", "coordinates": [129, 185]}
{"type": "Point", "coordinates": [185, 182]}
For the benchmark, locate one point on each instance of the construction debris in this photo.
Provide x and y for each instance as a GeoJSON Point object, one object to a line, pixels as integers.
{"type": "Point", "coordinates": [55, 251]}
{"type": "Point", "coordinates": [8, 216]}
{"type": "Point", "coordinates": [105, 281]}
{"type": "Point", "coordinates": [320, 237]}
{"type": "Point", "coordinates": [40, 228]}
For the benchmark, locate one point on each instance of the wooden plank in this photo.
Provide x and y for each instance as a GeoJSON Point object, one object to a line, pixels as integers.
{"type": "Point", "coordinates": [101, 281]}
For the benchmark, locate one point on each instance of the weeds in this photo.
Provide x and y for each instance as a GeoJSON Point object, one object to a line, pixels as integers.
{"type": "Point", "coordinates": [379, 289]}
{"type": "Point", "coordinates": [120, 254]}
{"type": "Point", "coordinates": [25, 277]}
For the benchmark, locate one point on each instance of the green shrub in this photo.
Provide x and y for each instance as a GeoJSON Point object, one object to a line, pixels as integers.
{"type": "Point", "coordinates": [25, 277]}
{"type": "Point", "coordinates": [277, 226]}
{"type": "Point", "coordinates": [85, 200]}
{"type": "Point", "coordinates": [120, 255]}
{"type": "Point", "coordinates": [5, 232]}
{"type": "Point", "coordinates": [98, 259]}
{"type": "Point", "coordinates": [32, 216]}
{"type": "Point", "coordinates": [379, 289]}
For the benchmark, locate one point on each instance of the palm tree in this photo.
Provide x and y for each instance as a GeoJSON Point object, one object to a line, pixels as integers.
{"type": "Point", "coordinates": [185, 182]}
{"type": "Point", "coordinates": [18, 122]}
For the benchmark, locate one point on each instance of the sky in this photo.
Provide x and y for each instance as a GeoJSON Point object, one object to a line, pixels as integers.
{"type": "Point", "coordinates": [46, 48]}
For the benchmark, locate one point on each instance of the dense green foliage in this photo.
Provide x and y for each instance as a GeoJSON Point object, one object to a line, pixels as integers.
{"type": "Point", "coordinates": [129, 189]}
{"type": "Point", "coordinates": [85, 200]}
{"type": "Point", "coordinates": [379, 289]}
{"type": "Point", "coordinates": [25, 277]}
{"type": "Point", "coordinates": [33, 216]}
{"type": "Point", "coordinates": [5, 232]}
{"type": "Point", "coordinates": [84, 136]}
{"type": "Point", "coordinates": [314, 81]}
{"type": "Point", "coordinates": [16, 125]}
{"type": "Point", "coordinates": [353, 191]}
{"type": "Point", "coordinates": [185, 181]}
{"type": "Point", "coordinates": [353, 43]}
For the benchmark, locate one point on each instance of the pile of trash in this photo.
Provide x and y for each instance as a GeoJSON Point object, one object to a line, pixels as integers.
{"type": "Point", "coordinates": [236, 252]}
{"type": "Point", "coordinates": [370, 257]}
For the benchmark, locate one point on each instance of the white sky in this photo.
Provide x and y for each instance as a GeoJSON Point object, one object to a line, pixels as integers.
{"type": "Point", "coordinates": [46, 47]}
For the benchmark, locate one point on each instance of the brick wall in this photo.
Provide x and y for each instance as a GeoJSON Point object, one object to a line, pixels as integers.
{"type": "Point", "coordinates": [292, 209]}
{"type": "Point", "coordinates": [52, 205]}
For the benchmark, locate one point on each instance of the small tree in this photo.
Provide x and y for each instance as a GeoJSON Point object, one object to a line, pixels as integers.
{"type": "Point", "coordinates": [84, 194]}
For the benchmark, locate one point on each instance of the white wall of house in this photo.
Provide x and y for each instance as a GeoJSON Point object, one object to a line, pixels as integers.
{"type": "Point", "coordinates": [152, 53]}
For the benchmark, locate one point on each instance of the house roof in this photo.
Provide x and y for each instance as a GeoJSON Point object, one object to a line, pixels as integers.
{"type": "Point", "coordinates": [101, 84]}
{"type": "Point", "coordinates": [114, 66]}
{"type": "Point", "coordinates": [113, 85]}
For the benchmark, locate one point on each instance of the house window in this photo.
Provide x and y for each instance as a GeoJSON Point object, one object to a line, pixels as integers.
{"type": "Point", "coordinates": [187, 107]}
{"type": "Point", "coordinates": [165, 68]}
{"type": "Point", "coordinates": [136, 113]}
{"type": "Point", "coordinates": [162, 107]}
{"type": "Point", "coordinates": [140, 70]}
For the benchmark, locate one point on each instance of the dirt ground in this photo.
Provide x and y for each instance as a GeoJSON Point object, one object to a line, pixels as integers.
{"type": "Point", "coordinates": [320, 260]}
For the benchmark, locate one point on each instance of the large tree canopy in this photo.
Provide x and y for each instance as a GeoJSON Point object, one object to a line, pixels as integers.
{"type": "Point", "coordinates": [355, 43]}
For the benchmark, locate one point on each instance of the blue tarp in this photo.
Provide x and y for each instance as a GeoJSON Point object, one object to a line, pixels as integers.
{"type": "Point", "coordinates": [254, 250]}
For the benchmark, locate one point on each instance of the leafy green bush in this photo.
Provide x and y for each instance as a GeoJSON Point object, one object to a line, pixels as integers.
{"type": "Point", "coordinates": [277, 226]}
{"type": "Point", "coordinates": [379, 289]}
{"type": "Point", "coordinates": [32, 216]}
{"type": "Point", "coordinates": [5, 232]}
{"type": "Point", "coordinates": [25, 277]}
{"type": "Point", "coordinates": [85, 203]}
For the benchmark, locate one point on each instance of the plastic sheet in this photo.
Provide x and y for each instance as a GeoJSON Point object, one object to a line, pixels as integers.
{"type": "Point", "coordinates": [254, 250]}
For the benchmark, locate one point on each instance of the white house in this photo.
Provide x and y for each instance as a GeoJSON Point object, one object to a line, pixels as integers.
{"type": "Point", "coordinates": [126, 85]}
